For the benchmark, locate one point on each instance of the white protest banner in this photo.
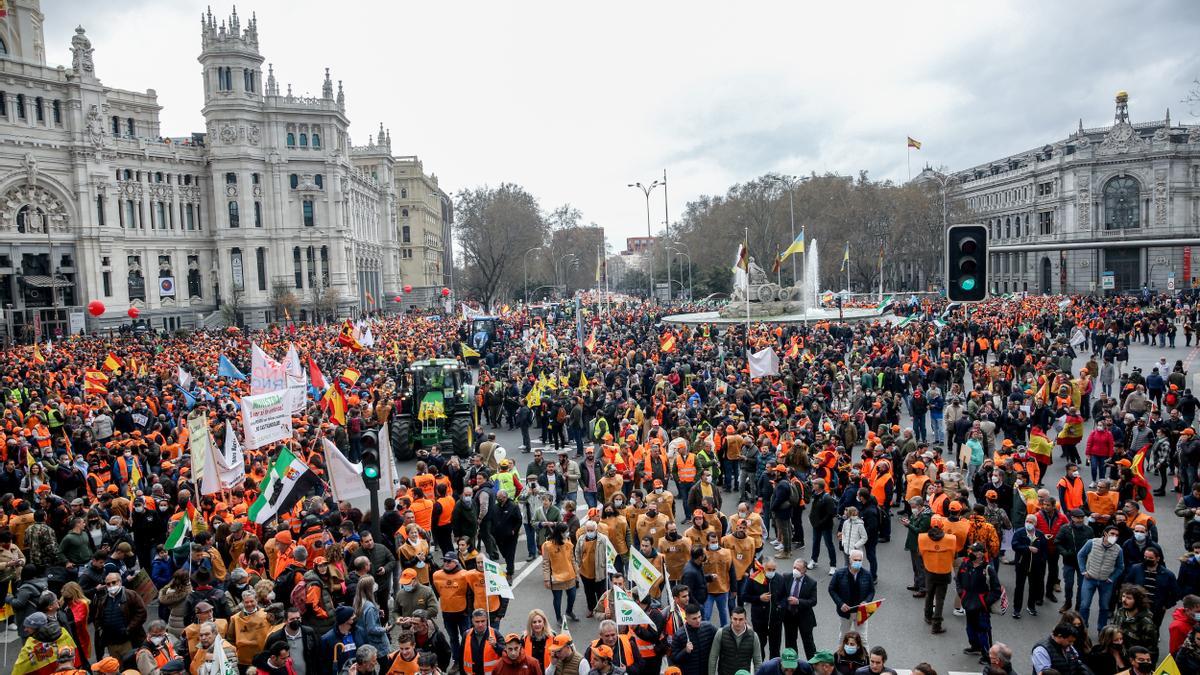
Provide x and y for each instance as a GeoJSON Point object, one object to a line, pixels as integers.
{"type": "Point", "coordinates": [266, 418]}
{"type": "Point", "coordinates": [494, 581]}
{"type": "Point", "coordinates": [764, 363]}
{"type": "Point", "coordinates": [220, 474]}
{"type": "Point", "coordinates": [266, 374]}
{"type": "Point", "coordinates": [643, 574]}
{"type": "Point", "coordinates": [297, 381]}
{"type": "Point", "coordinates": [345, 477]}
{"type": "Point", "coordinates": [199, 441]}
{"type": "Point", "coordinates": [628, 611]}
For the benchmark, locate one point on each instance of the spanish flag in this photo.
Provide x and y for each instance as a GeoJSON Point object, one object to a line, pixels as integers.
{"type": "Point", "coordinates": [346, 337]}
{"type": "Point", "coordinates": [350, 376]}
{"type": "Point", "coordinates": [95, 382]}
{"type": "Point", "coordinates": [1139, 477]}
{"type": "Point", "coordinates": [37, 355]}
{"type": "Point", "coordinates": [914, 143]}
{"type": "Point", "coordinates": [865, 610]}
{"type": "Point", "coordinates": [41, 658]}
{"type": "Point", "coordinates": [590, 343]}
{"type": "Point", "coordinates": [793, 349]}
{"type": "Point", "coordinates": [759, 575]}
{"type": "Point", "coordinates": [334, 404]}
{"type": "Point", "coordinates": [667, 343]}
{"type": "Point", "coordinates": [111, 362]}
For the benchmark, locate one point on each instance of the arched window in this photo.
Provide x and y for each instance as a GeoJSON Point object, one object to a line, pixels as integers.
{"type": "Point", "coordinates": [233, 214]}
{"type": "Point", "coordinates": [294, 181]}
{"type": "Point", "coordinates": [316, 140]}
{"type": "Point", "coordinates": [116, 125]}
{"type": "Point", "coordinates": [296, 267]}
{"type": "Point", "coordinates": [304, 140]}
{"type": "Point", "coordinates": [39, 109]}
{"type": "Point", "coordinates": [406, 234]}
{"type": "Point", "coordinates": [319, 180]}
{"type": "Point", "coordinates": [1121, 204]}
{"type": "Point", "coordinates": [291, 140]}
{"type": "Point", "coordinates": [129, 127]}
{"type": "Point", "coordinates": [403, 193]}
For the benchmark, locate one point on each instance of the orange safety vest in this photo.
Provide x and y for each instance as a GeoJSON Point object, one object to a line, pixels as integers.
{"type": "Point", "coordinates": [402, 667]}
{"type": "Point", "coordinates": [452, 590]}
{"type": "Point", "coordinates": [447, 510]}
{"type": "Point", "coordinates": [547, 653]}
{"type": "Point", "coordinates": [1072, 493]}
{"type": "Point", "coordinates": [623, 652]}
{"type": "Point", "coordinates": [879, 488]}
{"type": "Point", "coordinates": [423, 513]}
{"type": "Point", "coordinates": [165, 654]}
{"type": "Point", "coordinates": [686, 471]}
{"type": "Point", "coordinates": [490, 658]}
{"type": "Point", "coordinates": [425, 482]}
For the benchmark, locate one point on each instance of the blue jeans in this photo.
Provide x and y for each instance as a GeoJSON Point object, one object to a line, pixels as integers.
{"type": "Point", "coordinates": [939, 427]}
{"type": "Point", "coordinates": [590, 498]}
{"type": "Point", "coordinates": [919, 428]}
{"type": "Point", "coordinates": [722, 604]}
{"type": "Point", "coordinates": [1097, 464]}
{"type": "Point", "coordinates": [558, 596]}
{"type": "Point", "coordinates": [1072, 581]}
{"type": "Point", "coordinates": [729, 467]}
{"type": "Point", "coordinates": [1090, 589]}
{"type": "Point", "coordinates": [826, 535]}
{"type": "Point", "coordinates": [530, 539]}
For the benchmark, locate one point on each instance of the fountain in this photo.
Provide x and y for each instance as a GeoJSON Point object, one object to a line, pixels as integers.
{"type": "Point", "coordinates": [770, 303]}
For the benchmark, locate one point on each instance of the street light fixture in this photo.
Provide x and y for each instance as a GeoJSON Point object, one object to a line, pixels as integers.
{"type": "Point", "coordinates": [689, 261]}
{"type": "Point", "coordinates": [525, 266]}
{"type": "Point", "coordinates": [646, 190]}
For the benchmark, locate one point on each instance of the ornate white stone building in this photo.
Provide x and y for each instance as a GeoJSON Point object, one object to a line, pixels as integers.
{"type": "Point", "coordinates": [97, 202]}
{"type": "Point", "coordinates": [1122, 199]}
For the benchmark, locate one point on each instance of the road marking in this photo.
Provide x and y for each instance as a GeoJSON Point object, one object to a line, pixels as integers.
{"type": "Point", "coordinates": [536, 564]}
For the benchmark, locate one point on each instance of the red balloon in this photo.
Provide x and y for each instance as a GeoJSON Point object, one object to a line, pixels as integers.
{"type": "Point", "coordinates": [95, 308]}
{"type": "Point", "coordinates": [397, 299]}
{"type": "Point", "coordinates": [445, 292]}
{"type": "Point", "coordinates": [408, 288]}
{"type": "Point", "coordinates": [133, 312]}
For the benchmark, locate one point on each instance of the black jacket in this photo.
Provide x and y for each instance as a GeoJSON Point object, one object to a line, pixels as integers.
{"type": "Point", "coordinates": [309, 638]}
{"type": "Point", "coordinates": [693, 578]}
{"type": "Point", "coordinates": [696, 661]}
{"type": "Point", "coordinates": [803, 612]}
{"type": "Point", "coordinates": [506, 519]}
{"type": "Point", "coordinates": [824, 508]}
{"type": "Point", "coordinates": [851, 590]}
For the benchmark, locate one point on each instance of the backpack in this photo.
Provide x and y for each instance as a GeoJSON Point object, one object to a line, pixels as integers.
{"type": "Point", "coordinates": [795, 498]}
{"type": "Point", "coordinates": [297, 598]}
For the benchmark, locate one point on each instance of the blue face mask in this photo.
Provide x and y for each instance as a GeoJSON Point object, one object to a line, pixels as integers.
{"type": "Point", "coordinates": [850, 649]}
{"type": "Point", "coordinates": [856, 565]}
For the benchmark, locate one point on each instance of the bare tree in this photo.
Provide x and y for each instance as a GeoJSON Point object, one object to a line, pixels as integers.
{"type": "Point", "coordinates": [283, 299]}
{"type": "Point", "coordinates": [496, 226]}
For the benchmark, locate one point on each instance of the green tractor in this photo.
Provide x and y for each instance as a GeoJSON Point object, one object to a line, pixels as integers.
{"type": "Point", "coordinates": [437, 406]}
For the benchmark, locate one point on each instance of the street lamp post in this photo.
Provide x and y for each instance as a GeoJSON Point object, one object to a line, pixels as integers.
{"type": "Point", "coordinates": [646, 190]}
{"type": "Point", "coordinates": [689, 261]}
{"type": "Point", "coordinates": [557, 263]}
{"type": "Point", "coordinates": [525, 266]}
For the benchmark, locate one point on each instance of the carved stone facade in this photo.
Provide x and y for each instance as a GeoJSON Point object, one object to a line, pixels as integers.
{"type": "Point", "coordinates": [272, 199]}
{"type": "Point", "coordinates": [1124, 199]}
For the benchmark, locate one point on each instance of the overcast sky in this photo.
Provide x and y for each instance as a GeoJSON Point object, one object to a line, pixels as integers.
{"type": "Point", "coordinates": [576, 100]}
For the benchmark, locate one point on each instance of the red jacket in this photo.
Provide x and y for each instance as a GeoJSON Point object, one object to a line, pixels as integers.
{"type": "Point", "coordinates": [1100, 443]}
{"type": "Point", "coordinates": [526, 665]}
{"type": "Point", "coordinates": [1181, 625]}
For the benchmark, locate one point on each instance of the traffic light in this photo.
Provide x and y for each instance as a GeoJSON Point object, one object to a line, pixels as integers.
{"type": "Point", "coordinates": [370, 459]}
{"type": "Point", "coordinates": [966, 263]}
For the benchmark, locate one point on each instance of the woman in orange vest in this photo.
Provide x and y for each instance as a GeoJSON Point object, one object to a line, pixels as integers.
{"type": "Point", "coordinates": [537, 637]}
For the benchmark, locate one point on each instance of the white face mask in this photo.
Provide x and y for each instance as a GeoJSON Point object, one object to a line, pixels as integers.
{"type": "Point", "coordinates": [1112, 540]}
{"type": "Point", "coordinates": [714, 547]}
{"type": "Point", "coordinates": [113, 590]}
{"type": "Point", "coordinates": [771, 574]}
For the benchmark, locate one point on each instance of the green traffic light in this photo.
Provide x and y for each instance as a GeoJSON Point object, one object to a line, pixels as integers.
{"type": "Point", "coordinates": [967, 283]}
{"type": "Point", "coordinates": [371, 471]}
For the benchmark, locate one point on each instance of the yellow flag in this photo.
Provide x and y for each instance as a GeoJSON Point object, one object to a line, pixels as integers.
{"type": "Point", "coordinates": [534, 398]}
{"type": "Point", "coordinates": [1168, 667]}
{"type": "Point", "coordinates": [583, 381]}
{"type": "Point", "coordinates": [467, 352]}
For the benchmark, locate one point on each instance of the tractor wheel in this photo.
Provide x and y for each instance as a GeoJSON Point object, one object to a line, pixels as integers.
{"type": "Point", "coordinates": [402, 444]}
{"type": "Point", "coordinates": [460, 435]}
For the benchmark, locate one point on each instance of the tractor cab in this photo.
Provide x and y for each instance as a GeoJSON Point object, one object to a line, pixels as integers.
{"type": "Point", "coordinates": [438, 405]}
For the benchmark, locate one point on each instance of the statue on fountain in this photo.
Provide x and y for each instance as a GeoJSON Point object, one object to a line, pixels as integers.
{"type": "Point", "coordinates": [765, 298]}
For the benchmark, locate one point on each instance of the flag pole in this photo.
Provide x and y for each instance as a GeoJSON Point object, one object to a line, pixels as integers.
{"type": "Point", "coordinates": [747, 240]}
{"type": "Point", "coordinates": [909, 147]}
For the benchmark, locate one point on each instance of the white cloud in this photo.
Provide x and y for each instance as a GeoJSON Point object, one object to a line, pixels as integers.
{"type": "Point", "coordinates": [575, 100]}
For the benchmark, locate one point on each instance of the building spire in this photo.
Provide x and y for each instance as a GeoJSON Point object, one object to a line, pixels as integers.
{"type": "Point", "coordinates": [341, 96]}
{"type": "Point", "coordinates": [327, 86]}
{"type": "Point", "coordinates": [272, 86]}
{"type": "Point", "coordinates": [1122, 114]}
{"type": "Point", "coordinates": [381, 139]}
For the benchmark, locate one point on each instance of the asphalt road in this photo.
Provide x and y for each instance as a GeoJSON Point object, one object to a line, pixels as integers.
{"type": "Point", "coordinates": [898, 624]}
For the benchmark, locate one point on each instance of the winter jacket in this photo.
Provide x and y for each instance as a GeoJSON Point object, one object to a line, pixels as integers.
{"type": "Point", "coordinates": [850, 589]}
{"type": "Point", "coordinates": [854, 535]}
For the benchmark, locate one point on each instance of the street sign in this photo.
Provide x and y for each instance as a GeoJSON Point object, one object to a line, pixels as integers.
{"type": "Point", "coordinates": [1170, 281]}
{"type": "Point", "coordinates": [1109, 280]}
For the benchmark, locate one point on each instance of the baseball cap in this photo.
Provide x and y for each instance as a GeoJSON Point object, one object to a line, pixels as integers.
{"type": "Point", "coordinates": [66, 654]}
{"type": "Point", "coordinates": [991, 494]}
{"type": "Point", "coordinates": [821, 657]}
{"type": "Point", "coordinates": [36, 620]}
{"type": "Point", "coordinates": [203, 607]}
{"type": "Point", "coordinates": [697, 512]}
{"type": "Point", "coordinates": [107, 664]}
{"type": "Point", "coordinates": [513, 637]}
{"type": "Point", "coordinates": [449, 556]}
{"type": "Point", "coordinates": [408, 576]}
{"type": "Point", "coordinates": [788, 658]}
{"type": "Point", "coordinates": [605, 652]}
{"type": "Point", "coordinates": [559, 641]}
{"type": "Point", "coordinates": [320, 560]}
{"type": "Point", "coordinates": [1076, 513]}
